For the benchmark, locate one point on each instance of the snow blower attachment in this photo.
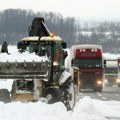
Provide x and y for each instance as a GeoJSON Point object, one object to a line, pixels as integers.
{"type": "Point", "coordinates": [44, 77]}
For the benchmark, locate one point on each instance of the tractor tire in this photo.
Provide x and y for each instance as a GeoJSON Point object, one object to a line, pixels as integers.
{"type": "Point", "coordinates": [5, 96]}
{"type": "Point", "coordinates": [56, 95]}
{"type": "Point", "coordinates": [65, 94]}
{"type": "Point", "coordinates": [70, 97]}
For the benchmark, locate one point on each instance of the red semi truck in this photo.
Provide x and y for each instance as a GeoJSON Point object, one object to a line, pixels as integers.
{"type": "Point", "coordinates": [89, 60]}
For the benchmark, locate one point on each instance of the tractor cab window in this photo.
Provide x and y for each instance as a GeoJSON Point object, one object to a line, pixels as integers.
{"type": "Point", "coordinates": [58, 57]}
{"type": "Point", "coordinates": [43, 48]}
{"type": "Point", "coordinates": [31, 47]}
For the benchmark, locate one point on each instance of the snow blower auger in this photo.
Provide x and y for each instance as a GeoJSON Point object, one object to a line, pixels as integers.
{"type": "Point", "coordinates": [44, 78]}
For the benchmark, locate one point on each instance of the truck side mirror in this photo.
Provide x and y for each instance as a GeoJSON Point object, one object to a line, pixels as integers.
{"type": "Point", "coordinates": [65, 54]}
{"type": "Point", "coordinates": [72, 62]}
{"type": "Point", "coordinates": [64, 45]}
{"type": "Point", "coordinates": [104, 63]}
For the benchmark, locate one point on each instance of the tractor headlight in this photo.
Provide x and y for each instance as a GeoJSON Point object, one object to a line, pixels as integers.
{"type": "Point", "coordinates": [55, 63]}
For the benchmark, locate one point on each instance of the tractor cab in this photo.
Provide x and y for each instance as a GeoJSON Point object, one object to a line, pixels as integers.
{"type": "Point", "coordinates": [48, 46]}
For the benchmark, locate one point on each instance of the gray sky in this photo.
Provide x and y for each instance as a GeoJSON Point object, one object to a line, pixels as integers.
{"type": "Point", "coordinates": [84, 9]}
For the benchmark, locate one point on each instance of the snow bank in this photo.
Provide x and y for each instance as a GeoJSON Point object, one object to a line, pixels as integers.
{"type": "Point", "coordinates": [85, 109]}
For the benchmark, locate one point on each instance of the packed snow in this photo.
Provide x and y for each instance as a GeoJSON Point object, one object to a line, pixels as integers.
{"type": "Point", "coordinates": [86, 108]}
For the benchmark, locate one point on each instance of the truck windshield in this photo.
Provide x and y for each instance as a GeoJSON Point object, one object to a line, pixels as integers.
{"type": "Point", "coordinates": [89, 63]}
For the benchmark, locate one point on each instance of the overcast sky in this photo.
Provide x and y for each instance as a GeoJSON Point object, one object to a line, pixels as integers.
{"type": "Point", "coordinates": [84, 9]}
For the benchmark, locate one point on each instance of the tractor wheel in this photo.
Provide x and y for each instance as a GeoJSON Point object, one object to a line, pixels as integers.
{"type": "Point", "coordinates": [65, 94]}
{"type": "Point", "coordinates": [5, 96]}
{"type": "Point", "coordinates": [70, 97]}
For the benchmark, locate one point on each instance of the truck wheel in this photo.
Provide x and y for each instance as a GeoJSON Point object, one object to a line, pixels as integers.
{"type": "Point", "coordinates": [98, 90]}
{"type": "Point", "coordinates": [55, 93]}
{"type": "Point", "coordinates": [70, 98]}
{"type": "Point", "coordinates": [5, 96]}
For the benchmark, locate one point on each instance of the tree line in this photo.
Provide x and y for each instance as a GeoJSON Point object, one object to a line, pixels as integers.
{"type": "Point", "coordinates": [14, 25]}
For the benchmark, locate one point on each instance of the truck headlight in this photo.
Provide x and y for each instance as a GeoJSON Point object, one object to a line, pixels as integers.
{"type": "Point", "coordinates": [106, 81]}
{"type": "Point", "coordinates": [118, 80]}
{"type": "Point", "coordinates": [99, 82]}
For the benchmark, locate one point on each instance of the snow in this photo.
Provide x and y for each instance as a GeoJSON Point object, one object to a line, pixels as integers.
{"type": "Point", "coordinates": [86, 108]}
{"type": "Point", "coordinates": [89, 33]}
{"type": "Point", "coordinates": [16, 56]}
{"type": "Point", "coordinates": [111, 56]}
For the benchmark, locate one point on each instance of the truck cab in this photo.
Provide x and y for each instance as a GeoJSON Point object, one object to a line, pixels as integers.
{"type": "Point", "coordinates": [89, 60]}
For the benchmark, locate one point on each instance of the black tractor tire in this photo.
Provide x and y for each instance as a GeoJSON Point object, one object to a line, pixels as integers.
{"type": "Point", "coordinates": [5, 96]}
{"type": "Point", "coordinates": [56, 93]}
{"type": "Point", "coordinates": [70, 97]}
{"type": "Point", "coordinates": [65, 94]}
